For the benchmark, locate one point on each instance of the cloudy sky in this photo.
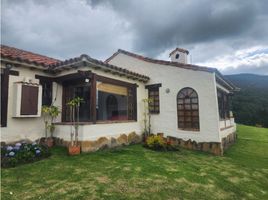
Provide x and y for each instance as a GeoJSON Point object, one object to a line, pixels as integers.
{"type": "Point", "coordinates": [230, 35]}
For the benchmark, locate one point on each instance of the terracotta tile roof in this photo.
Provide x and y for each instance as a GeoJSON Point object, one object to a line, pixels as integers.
{"type": "Point", "coordinates": [162, 62]}
{"type": "Point", "coordinates": [26, 56]}
{"type": "Point", "coordinates": [173, 64]}
{"type": "Point", "coordinates": [179, 49]}
{"type": "Point", "coordinates": [53, 65]}
{"type": "Point", "coordinates": [98, 65]}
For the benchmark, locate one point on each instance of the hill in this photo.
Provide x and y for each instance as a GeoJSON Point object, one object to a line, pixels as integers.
{"type": "Point", "coordinates": [250, 104]}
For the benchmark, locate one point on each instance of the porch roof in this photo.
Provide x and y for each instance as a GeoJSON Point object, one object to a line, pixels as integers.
{"type": "Point", "coordinates": [85, 60]}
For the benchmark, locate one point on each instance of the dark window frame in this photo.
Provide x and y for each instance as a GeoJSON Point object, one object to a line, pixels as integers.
{"type": "Point", "coordinates": [94, 78]}
{"type": "Point", "coordinates": [154, 97]}
{"type": "Point", "coordinates": [188, 109]}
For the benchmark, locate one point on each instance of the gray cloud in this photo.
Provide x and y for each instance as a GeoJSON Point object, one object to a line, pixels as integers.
{"type": "Point", "coordinates": [64, 29]}
{"type": "Point", "coordinates": [252, 69]}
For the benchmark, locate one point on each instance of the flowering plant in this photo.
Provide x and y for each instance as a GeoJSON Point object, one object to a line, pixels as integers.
{"type": "Point", "coordinates": [157, 142]}
{"type": "Point", "coordinates": [13, 155]}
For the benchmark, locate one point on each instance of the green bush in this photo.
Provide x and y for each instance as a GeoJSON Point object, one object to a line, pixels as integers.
{"type": "Point", "coordinates": [158, 143]}
{"type": "Point", "coordinates": [155, 142]}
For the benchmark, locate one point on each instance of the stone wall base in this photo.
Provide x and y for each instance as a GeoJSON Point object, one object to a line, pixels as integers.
{"type": "Point", "coordinates": [229, 140]}
{"type": "Point", "coordinates": [216, 148]}
{"type": "Point", "coordinates": [210, 147]}
{"type": "Point", "coordinates": [104, 142]}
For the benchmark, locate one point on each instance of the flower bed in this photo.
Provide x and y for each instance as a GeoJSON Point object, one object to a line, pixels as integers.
{"type": "Point", "coordinates": [158, 143]}
{"type": "Point", "coordinates": [20, 153]}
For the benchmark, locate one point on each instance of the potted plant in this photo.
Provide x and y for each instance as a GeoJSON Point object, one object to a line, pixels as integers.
{"type": "Point", "coordinates": [49, 113]}
{"type": "Point", "coordinates": [74, 147]}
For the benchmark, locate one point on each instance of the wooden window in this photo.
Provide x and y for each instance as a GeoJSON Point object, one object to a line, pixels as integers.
{"type": "Point", "coordinates": [74, 89]}
{"type": "Point", "coordinates": [153, 95]}
{"type": "Point", "coordinates": [29, 100]}
{"type": "Point", "coordinates": [223, 104]}
{"type": "Point", "coordinates": [188, 109]}
{"type": "Point", "coordinates": [46, 92]}
{"type": "Point", "coordinates": [105, 99]}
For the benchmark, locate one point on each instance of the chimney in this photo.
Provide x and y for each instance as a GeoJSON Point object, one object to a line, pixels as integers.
{"type": "Point", "coordinates": [179, 55]}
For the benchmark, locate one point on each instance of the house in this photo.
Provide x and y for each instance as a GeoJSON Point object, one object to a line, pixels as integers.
{"type": "Point", "coordinates": [190, 104]}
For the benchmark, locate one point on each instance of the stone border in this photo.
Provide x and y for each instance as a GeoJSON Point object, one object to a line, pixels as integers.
{"type": "Point", "coordinates": [216, 148]}
{"type": "Point", "coordinates": [104, 142]}
{"type": "Point", "coordinates": [228, 140]}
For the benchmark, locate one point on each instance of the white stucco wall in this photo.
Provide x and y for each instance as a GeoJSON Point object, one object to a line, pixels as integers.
{"type": "Point", "coordinates": [94, 131]}
{"type": "Point", "coordinates": [175, 79]}
{"type": "Point", "coordinates": [22, 128]}
{"type": "Point", "coordinates": [227, 127]}
{"type": "Point", "coordinates": [183, 58]}
{"type": "Point", "coordinates": [33, 128]}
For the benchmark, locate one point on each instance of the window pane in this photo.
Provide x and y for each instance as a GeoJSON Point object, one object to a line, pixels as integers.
{"type": "Point", "coordinates": [112, 102]}
{"type": "Point", "coordinates": [194, 106]}
{"type": "Point", "coordinates": [187, 100]}
{"type": "Point", "coordinates": [187, 107]}
{"type": "Point", "coordinates": [77, 89]}
{"type": "Point", "coordinates": [194, 100]}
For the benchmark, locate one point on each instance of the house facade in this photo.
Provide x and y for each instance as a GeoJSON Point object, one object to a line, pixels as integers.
{"type": "Point", "coordinates": [190, 104]}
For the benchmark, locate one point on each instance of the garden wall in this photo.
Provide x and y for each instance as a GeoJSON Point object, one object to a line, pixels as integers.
{"type": "Point", "coordinates": [104, 142]}
{"type": "Point", "coordinates": [216, 148]}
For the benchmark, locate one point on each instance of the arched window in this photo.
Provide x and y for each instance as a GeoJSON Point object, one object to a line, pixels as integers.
{"type": "Point", "coordinates": [188, 109]}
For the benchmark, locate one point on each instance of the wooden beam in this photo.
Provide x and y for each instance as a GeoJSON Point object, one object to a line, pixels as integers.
{"type": "Point", "coordinates": [14, 73]}
{"type": "Point", "coordinates": [115, 81]}
{"type": "Point", "coordinates": [46, 78]}
{"type": "Point", "coordinates": [153, 86]}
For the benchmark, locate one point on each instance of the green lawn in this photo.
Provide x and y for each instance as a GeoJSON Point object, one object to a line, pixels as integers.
{"type": "Point", "coordinates": [137, 173]}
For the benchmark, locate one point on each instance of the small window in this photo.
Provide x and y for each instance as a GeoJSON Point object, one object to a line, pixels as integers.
{"type": "Point", "coordinates": [153, 95]}
{"type": "Point", "coordinates": [177, 56]}
{"type": "Point", "coordinates": [154, 100]}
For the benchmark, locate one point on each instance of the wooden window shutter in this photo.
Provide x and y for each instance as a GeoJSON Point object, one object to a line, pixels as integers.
{"type": "Point", "coordinates": [29, 100]}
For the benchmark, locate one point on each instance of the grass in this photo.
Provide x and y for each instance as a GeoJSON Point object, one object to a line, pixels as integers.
{"type": "Point", "coordinates": [137, 173]}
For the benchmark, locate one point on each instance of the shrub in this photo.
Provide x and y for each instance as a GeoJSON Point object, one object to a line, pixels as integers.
{"type": "Point", "coordinates": [155, 142]}
{"type": "Point", "coordinates": [159, 143]}
{"type": "Point", "coordinates": [20, 153]}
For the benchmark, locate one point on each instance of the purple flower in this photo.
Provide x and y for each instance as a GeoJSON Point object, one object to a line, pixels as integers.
{"type": "Point", "coordinates": [9, 148]}
{"type": "Point", "coordinates": [37, 152]}
{"type": "Point", "coordinates": [11, 153]}
{"type": "Point", "coordinates": [18, 144]}
{"type": "Point", "coordinates": [16, 148]}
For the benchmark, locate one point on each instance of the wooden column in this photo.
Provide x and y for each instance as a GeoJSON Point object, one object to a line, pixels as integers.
{"type": "Point", "coordinates": [93, 112]}
{"type": "Point", "coordinates": [4, 96]}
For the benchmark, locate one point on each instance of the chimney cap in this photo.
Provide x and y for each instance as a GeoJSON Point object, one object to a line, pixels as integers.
{"type": "Point", "coordinates": [180, 50]}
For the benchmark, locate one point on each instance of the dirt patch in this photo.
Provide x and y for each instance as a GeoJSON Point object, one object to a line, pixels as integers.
{"type": "Point", "coordinates": [103, 179]}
